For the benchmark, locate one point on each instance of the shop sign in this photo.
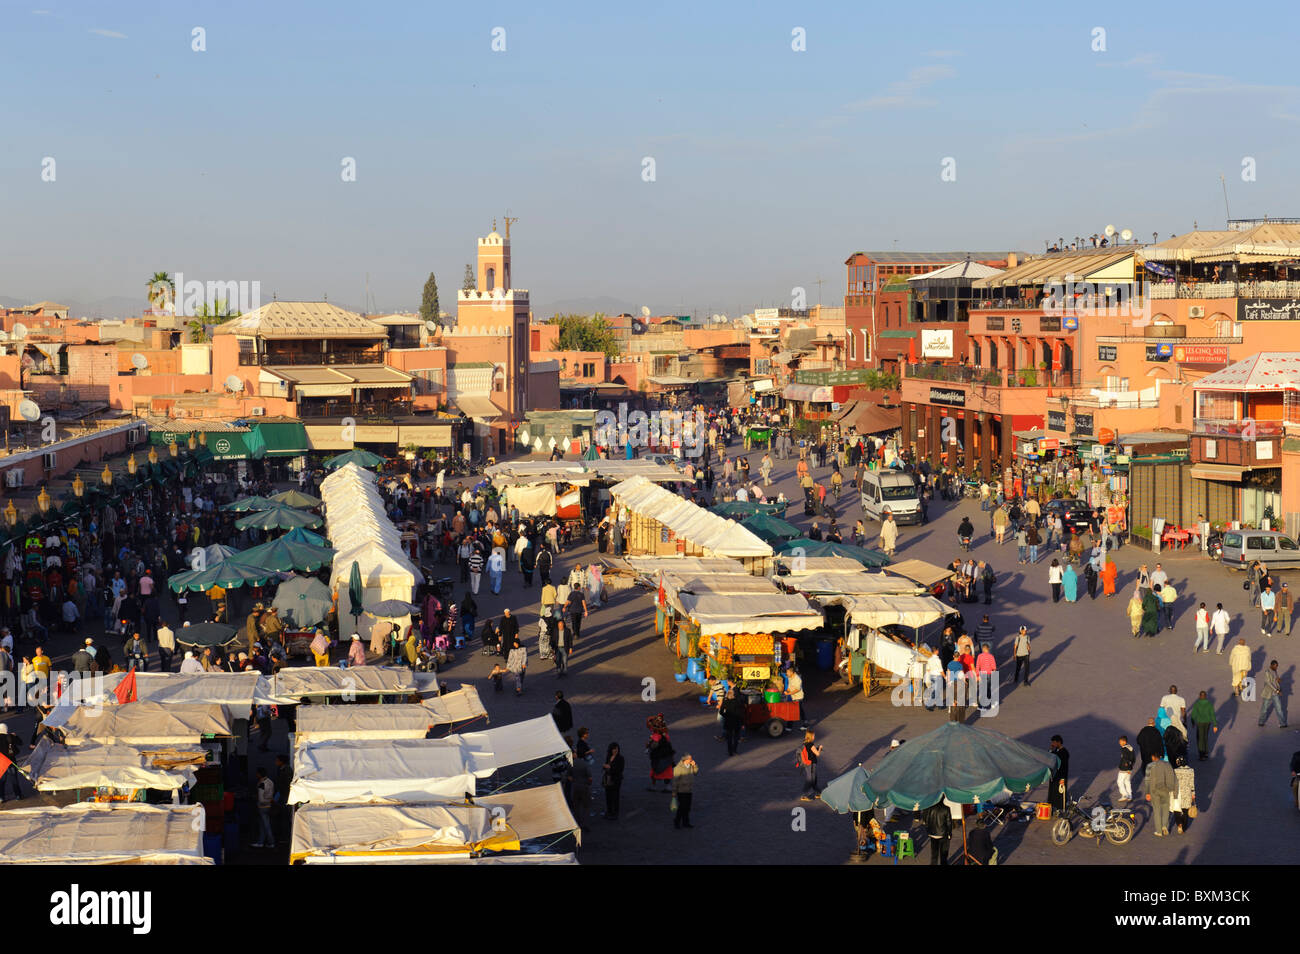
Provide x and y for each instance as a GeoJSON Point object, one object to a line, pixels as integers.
{"type": "Point", "coordinates": [948, 397]}
{"type": "Point", "coordinates": [1056, 421]}
{"type": "Point", "coordinates": [1201, 354]}
{"type": "Point", "coordinates": [995, 323]}
{"type": "Point", "coordinates": [1160, 352]}
{"type": "Point", "coordinates": [1107, 353]}
{"type": "Point", "coordinates": [754, 673]}
{"type": "Point", "coordinates": [1083, 423]}
{"type": "Point", "coordinates": [1264, 309]}
{"type": "Point", "coordinates": [1049, 323]}
{"type": "Point", "coordinates": [936, 343]}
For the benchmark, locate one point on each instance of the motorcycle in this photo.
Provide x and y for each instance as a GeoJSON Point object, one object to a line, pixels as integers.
{"type": "Point", "coordinates": [1214, 545]}
{"type": "Point", "coordinates": [1115, 825]}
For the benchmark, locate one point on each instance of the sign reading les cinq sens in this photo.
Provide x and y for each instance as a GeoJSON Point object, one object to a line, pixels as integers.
{"type": "Point", "coordinates": [948, 397]}
{"type": "Point", "coordinates": [1261, 309]}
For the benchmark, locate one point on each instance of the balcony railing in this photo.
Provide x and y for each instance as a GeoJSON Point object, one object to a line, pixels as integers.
{"type": "Point", "coordinates": [1262, 289]}
{"type": "Point", "coordinates": [1221, 427]}
{"type": "Point", "coordinates": [349, 356]}
{"type": "Point", "coordinates": [994, 377]}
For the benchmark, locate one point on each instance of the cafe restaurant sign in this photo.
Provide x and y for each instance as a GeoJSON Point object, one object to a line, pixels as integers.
{"type": "Point", "coordinates": [948, 397]}
{"type": "Point", "coordinates": [1264, 309]}
{"type": "Point", "coordinates": [1056, 421]}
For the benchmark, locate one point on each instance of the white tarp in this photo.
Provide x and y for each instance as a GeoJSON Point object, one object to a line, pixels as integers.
{"type": "Point", "coordinates": [518, 742]}
{"type": "Point", "coordinates": [323, 830]}
{"type": "Point", "coordinates": [649, 567]}
{"type": "Point", "coordinates": [710, 532]}
{"type": "Point", "coordinates": [234, 690]}
{"type": "Point", "coordinates": [927, 574]}
{"type": "Point", "coordinates": [799, 567]}
{"type": "Point", "coordinates": [910, 611]}
{"type": "Point", "coordinates": [53, 768]}
{"type": "Point", "coordinates": [859, 583]}
{"type": "Point", "coordinates": [146, 723]}
{"type": "Point", "coordinates": [399, 721]}
{"type": "Point", "coordinates": [891, 655]}
{"type": "Point", "coordinates": [291, 684]}
{"type": "Point", "coordinates": [517, 472]}
{"type": "Point", "coordinates": [532, 499]}
{"type": "Point", "coordinates": [719, 614]}
{"type": "Point", "coordinates": [536, 812]}
{"type": "Point", "coordinates": [99, 834]}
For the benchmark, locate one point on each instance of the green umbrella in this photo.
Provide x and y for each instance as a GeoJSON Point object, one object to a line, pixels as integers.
{"type": "Point", "coordinates": [300, 535]}
{"type": "Point", "coordinates": [245, 504]}
{"type": "Point", "coordinates": [227, 574]}
{"type": "Point", "coordinates": [771, 529]}
{"type": "Point", "coordinates": [590, 453]}
{"type": "Point", "coordinates": [872, 559]}
{"type": "Point", "coordinates": [206, 634]}
{"type": "Point", "coordinates": [278, 517]}
{"type": "Point", "coordinates": [956, 761]}
{"type": "Point", "coordinates": [284, 555]}
{"type": "Point", "coordinates": [303, 601]}
{"type": "Point", "coordinates": [355, 590]}
{"type": "Point", "coordinates": [296, 498]}
{"type": "Point", "coordinates": [362, 458]}
{"type": "Point", "coordinates": [743, 509]}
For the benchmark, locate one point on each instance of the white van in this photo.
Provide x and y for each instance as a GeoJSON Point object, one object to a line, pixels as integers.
{"type": "Point", "coordinates": [893, 491]}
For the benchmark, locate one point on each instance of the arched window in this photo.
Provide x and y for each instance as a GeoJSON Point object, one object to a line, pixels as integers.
{"type": "Point", "coordinates": [491, 279]}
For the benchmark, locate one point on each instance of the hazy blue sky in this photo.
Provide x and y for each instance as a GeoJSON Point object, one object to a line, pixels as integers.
{"type": "Point", "coordinates": [771, 165]}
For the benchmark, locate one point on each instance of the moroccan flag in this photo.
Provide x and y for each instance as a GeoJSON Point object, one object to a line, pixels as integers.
{"type": "Point", "coordinates": [125, 690]}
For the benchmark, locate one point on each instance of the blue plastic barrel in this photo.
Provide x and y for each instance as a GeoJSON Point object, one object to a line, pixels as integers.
{"type": "Point", "coordinates": [825, 655]}
{"type": "Point", "coordinates": [695, 672]}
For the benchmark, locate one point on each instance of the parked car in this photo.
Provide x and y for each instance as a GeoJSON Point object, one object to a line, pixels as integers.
{"type": "Point", "coordinates": [1241, 548]}
{"type": "Point", "coordinates": [1075, 514]}
{"type": "Point", "coordinates": [666, 460]}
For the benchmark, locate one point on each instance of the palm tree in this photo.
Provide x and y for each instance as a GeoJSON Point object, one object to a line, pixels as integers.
{"type": "Point", "coordinates": [219, 313]}
{"type": "Point", "coordinates": [162, 290]}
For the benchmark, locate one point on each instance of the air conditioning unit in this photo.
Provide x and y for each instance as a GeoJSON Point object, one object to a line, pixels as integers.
{"type": "Point", "coordinates": [14, 478]}
{"type": "Point", "coordinates": [50, 461]}
{"type": "Point", "coordinates": [257, 411]}
{"type": "Point", "coordinates": [1196, 311]}
{"type": "Point", "coordinates": [132, 437]}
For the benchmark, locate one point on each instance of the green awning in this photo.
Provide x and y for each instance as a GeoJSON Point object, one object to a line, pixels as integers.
{"type": "Point", "coordinates": [236, 445]}
{"type": "Point", "coordinates": [282, 438]}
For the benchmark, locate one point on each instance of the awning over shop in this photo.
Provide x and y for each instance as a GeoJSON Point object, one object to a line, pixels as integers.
{"type": "Point", "coordinates": [282, 438]}
{"type": "Point", "coordinates": [812, 393]}
{"type": "Point", "coordinates": [867, 418]}
{"type": "Point", "coordinates": [236, 445]}
{"type": "Point", "coordinates": [1225, 472]}
{"type": "Point", "coordinates": [763, 384]}
{"type": "Point", "coordinates": [478, 406]}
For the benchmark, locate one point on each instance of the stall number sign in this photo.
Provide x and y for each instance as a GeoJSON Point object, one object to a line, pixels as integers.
{"type": "Point", "coordinates": [754, 672]}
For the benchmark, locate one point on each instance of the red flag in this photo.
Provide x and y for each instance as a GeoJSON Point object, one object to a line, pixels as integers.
{"type": "Point", "coordinates": [4, 764]}
{"type": "Point", "coordinates": [125, 690]}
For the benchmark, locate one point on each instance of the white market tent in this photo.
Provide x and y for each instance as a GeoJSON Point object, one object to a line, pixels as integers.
{"type": "Point", "coordinates": [720, 614]}
{"type": "Point", "coordinates": [399, 721]}
{"type": "Point", "coordinates": [147, 723]}
{"type": "Point", "coordinates": [912, 612]}
{"type": "Point", "coordinates": [580, 473]}
{"type": "Point", "coordinates": [233, 690]}
{"type": "Point", "coordinates": [417, 770]}
{"type": "Point", "coordinates": [826, 587]}
{"type": "Point", "coordinates": [660, 521]}
{"type": "Point", "coordinates": [53, 768]}
{"type": "Point", "coordinates": [360, 531]}
{"type": "Point", "coordinates": [293, 684]}
{"type": "Point", "coordinates": [102, 834]}
{"type": "Point", "coordinates": [432, 831]}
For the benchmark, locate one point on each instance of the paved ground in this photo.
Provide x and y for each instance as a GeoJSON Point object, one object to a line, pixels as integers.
{"type": "Point", "coordinates": [1092, 682]}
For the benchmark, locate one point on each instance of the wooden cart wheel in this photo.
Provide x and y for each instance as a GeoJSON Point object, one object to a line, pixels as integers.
{"type": "Point", "coordinates": [775, 728]}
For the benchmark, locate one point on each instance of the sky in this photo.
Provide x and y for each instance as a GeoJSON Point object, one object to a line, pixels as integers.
{"type": "Point", "coordinates": [771, 164]}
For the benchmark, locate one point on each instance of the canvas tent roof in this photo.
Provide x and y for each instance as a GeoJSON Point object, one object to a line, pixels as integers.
{"type": "Point", "coordinates": [859, 583]}
{"type": "Point", "coordinates": [301, 319]}
{"type": "Point", "coordinates": [720, 614]}
{"type": "Point", "coordinates": [651, 566]}
{"type": "Point", "coordinates": [708, 531]}
{"type": "Point", "coordinates": [54, 768]}
{"type": "Point", "coordinates": [147, 723]}
{"type": "Point", "coordinates": [87, 833]}
{"type": "Point", "coordinates": [1267, 371]}
{"type": "Point", "coordinates": [292, 684]}
{"type": "Point", "coordinates": [1056, 266]}
{"type": "Point", "coordinates": [580, 473]}
{"type": "Point", "coordinates": [927, 574]}
{"type": "Point", "coordinates": [414, 770]}
{"type": "Point", "coordinates": [397, 721]}
{"type": "Point", "coordinates": [807, 566]}
{"type": "Point", "coordinates": [910, 611]}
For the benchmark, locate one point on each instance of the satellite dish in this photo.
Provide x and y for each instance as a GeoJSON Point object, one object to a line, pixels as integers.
{"type": "Point", "coordinates": [20, 331]}
{"type": "Point", "coordinates": [29, 410]}
{"type": "Point", "coordinates": [1110, 231]}
{"type": "Point", "coordinates": [645, 311]}
{"type": "Point", "coordinates": [1126, 235]}
{"type": "Point", "coordinates": [431, 325]}
{"type": "Point", "coordinates": [233, 383]}
{"type": "Point", "coordinates": [139, 361]}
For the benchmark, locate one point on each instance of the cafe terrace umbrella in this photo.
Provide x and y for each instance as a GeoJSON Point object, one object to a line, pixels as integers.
{"type": "Point", "coordinates": [303, 601]}
{"type": "Point", "coordinates": [956, 761]}
{"type": "Point", "coordinates": [296, 498]}
{"type": "Point", "coordinates": [245, 504]}
{"type": "Point", "coordinates": [285, 555]}
{"type": "Point", "coordinates": [391, 609]}
{"type": "Point", "coordinates": [214, 553]}
{"type": "Point", "coordinates": [203, 635]}
{"type": "Point", "coordinates": [227, 574]}
{"type": "Point", "coordinates": [302, 535]}
{"type": "Point", "coordinates": [872, 559]}
{"type": "Point", "coordinates": [772, 530]}
{"type": "Point", "coordinates": [278, 517]}
{"type": "Point", "coordinates": [362, 458]}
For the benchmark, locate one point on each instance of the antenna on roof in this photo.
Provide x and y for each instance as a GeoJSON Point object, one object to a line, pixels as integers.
{"type": "Point", "coordinates": [234, 383]}
{"type": "Point", "coordinates": [1227, 214]}
{"type": "Point", "coordinates": [139, 361]}
{"type": "Point", "coordinates": [29, 410]}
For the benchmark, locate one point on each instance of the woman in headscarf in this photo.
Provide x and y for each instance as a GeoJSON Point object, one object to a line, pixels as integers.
{"type": "Point", "coordinates": [660, 750]}
{"type": "Point", "coordinates": [1070, 583]}
{"type": "Point", "coordinates": [1109, 576]}
{"type": "Point", "coordinates": [1135, 613]}
{"type": "Point", "coordinates": [1175, 737]}
{"type": "Point", "coordinates": [1150, 613]}
{"type": "Point", "coordinates": [612, 779]}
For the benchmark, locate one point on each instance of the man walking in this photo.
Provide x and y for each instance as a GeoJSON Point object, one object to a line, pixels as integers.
{"type": "Point", "coordinates": [1267, 603]}
{"type": "Point", "coordinates": [265, 802]}
{"type": "Point", "coordinates": [1239, 663]}
{"type": "Point", "coordinates": [1270, 696]}
{"type": "Point", "coordinates": [1060, 775]}
{"type": "Point", "coordinates": [684, 773]}
{"type": "Point", "coordinates": [560, 646]}
{"type": "Point", "coordinates": [1021, 651]}
{"type": "Point", "coordinates": [1220, 622]}
{"type": "Point", "coordinates": [1150, 742]}
{"type": "Point", "coordinates": [1202, 713]}
{"type": "Point", "coordinates": [1283, 611]}
{"type": "Point", "coordinates": [888, 534]}
{"type": "Point", "coordinates": [1124, 778]}
{"type": "Point", "coordinates": [733, 720]}
{"type": "Point", "coordinates": [1159, 785]}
